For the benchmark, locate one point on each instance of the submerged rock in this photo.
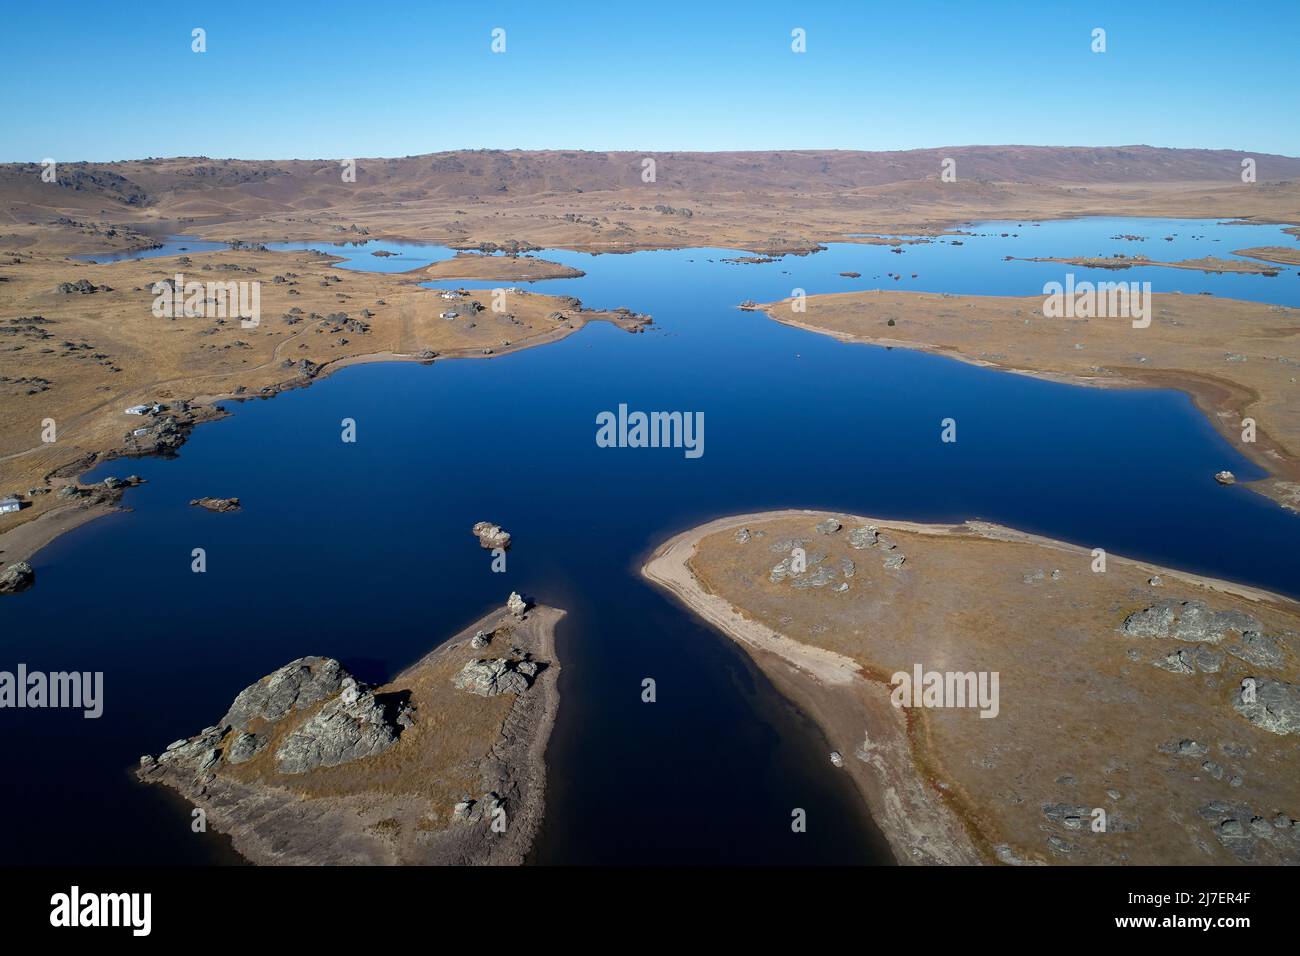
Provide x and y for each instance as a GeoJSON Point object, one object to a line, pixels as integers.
{"type": "Point", "coordinates": [216, 504]}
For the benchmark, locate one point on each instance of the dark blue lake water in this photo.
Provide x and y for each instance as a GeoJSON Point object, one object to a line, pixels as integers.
{"type": "Point", "coordinates": [363, 551]}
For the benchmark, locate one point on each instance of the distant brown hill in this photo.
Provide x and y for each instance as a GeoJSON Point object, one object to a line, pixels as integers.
{"type": "Point", "coordinates": [198, 186]}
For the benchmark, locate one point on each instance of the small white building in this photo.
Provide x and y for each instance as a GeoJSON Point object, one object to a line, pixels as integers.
{"type": "Point", "coordinates": [450, 315]}
{"type": "Point", "coordinates": [9, 504]}
{"type": "Point", "coordinates": [139, 410]}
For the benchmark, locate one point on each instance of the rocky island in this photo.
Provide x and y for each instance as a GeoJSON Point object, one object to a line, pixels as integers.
{"type": "Point", "coordinates": [444, 764]}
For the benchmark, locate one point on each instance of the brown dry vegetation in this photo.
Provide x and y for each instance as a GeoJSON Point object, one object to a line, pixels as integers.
{"type": "Point", "coordinates": [469, 265]}
{"type": "Point", "coordinates": [765, 202]}
{"type": "Point", "coordinates": [1083, 716]}
{"type": "Point", "coordinates": [80, 359]}
{"type": "Point", "coordinates": [760, 201]}
{"type": "Point", "coordinates": [1283, 254]}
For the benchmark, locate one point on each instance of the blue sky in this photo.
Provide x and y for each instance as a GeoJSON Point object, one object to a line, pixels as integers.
{"type": "Point", "coordinates": [328, 79]}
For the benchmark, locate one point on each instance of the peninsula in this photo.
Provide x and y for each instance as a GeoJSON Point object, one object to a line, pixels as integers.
{"type": "Point", "coordinates": [1139, 715]}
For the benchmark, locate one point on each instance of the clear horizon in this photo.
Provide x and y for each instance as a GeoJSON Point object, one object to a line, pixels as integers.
{"type": "Point", "coordinates": [331, 80]}
{"type": "Point", "coordinates": [649, 152]}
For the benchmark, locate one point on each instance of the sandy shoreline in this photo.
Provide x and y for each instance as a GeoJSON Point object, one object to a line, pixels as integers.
{"type": "Point", "coordinates": [911, 814]}
{"type": "Point", "coordinates": [25, 541]}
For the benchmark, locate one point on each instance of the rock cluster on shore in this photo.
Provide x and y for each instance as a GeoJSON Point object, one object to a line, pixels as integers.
{"type": "Point", "coordinates": [1273, 705]}
{"type": "Point", "coordinates": [815, 573]}
{"type": "Point", "coordinates": [868, 536]}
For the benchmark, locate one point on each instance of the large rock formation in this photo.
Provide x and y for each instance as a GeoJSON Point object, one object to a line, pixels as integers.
{"type": "Point", "coordinates": [352, 723]}
{"type": "Point", "coordinates": [293, 687]}
{"type": "Point", "coordinates": [350, 726]}
{"type": "Point", "coordinates": [493, 676]}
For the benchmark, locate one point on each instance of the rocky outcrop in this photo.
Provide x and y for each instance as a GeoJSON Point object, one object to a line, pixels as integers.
{"type": "Point", "coordinates": [862, 538]}
{"type": "Point", "coordinates": [1190, 621]}
{"type": "Point", "coordinates": [352, 723]}
{"type": "Point", "coordinates": [82, 286]}
{"type": "Point", "coordinates": [516, 605]}
{"type": "Point", "coordinates": [869, 536]}
{"type": "Point", "coordinates": [469, 810]}
{"type": "Point", "coordinates": [1272, 705]}
{"type": "Point", "coordinates": [491, 536]}
{"type": "Point", "coordinates": [1259, 650]}
{"type": "Point", "coordinates": [294, 686]}
{"type": "Point", "coordinates": [310, 766]}
{"type": "Point", "coordinates": [494, 676]}
{"type": "Point", "coordinates": [216, 504]}
{"type": "Point", "coordinates": [1190, 660]}
{"type": "Point", "coordinates": [18, 576]}
{"type": "Point", "coordinates": [1251, 836]}
{"type": "Point", "coordinates": [351, 726]}
{"type": "Point", "coordinates": [244, 746]}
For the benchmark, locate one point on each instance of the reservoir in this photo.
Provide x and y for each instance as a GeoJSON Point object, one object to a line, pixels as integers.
{"type": "Point", "coordinates": [363, 551]}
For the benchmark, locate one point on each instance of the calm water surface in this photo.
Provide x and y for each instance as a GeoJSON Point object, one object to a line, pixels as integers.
{"type": "Point", "coordinates": [363, 552]}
